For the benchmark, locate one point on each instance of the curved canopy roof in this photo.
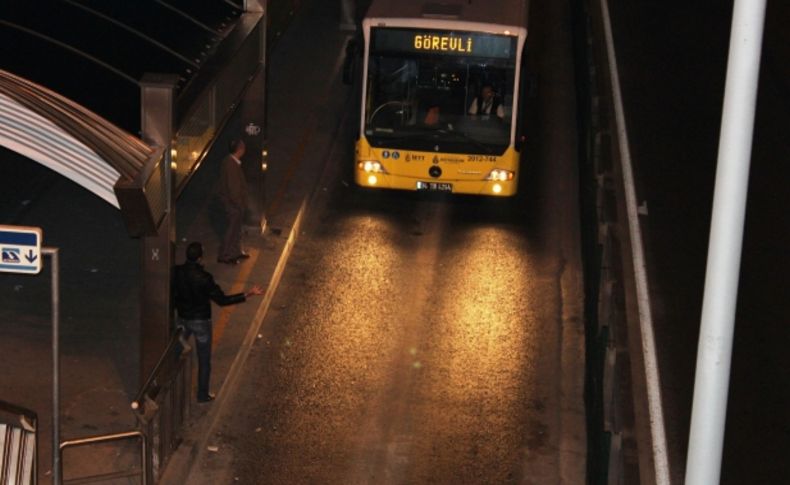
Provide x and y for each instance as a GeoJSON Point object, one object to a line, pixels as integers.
{"type": "Point", "coordinates": [94, 52]}
{"type": "Point", "coordinates": [66, 137]}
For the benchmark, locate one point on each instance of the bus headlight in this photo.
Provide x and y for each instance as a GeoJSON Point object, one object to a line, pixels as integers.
{"type": "Point", "coordinates": [371, 166]}
{"type": "Point", "coordinates": [500, 175]}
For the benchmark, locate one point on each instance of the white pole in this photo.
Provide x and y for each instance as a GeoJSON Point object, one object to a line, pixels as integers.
{"type": "Point", "coordinates": [714, 354]}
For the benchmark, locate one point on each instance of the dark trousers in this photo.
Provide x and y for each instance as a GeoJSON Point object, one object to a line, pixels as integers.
{"type": "Point", "coordinates": [202, 330]}
{"type": "Point", "coordinates": [231, 243]}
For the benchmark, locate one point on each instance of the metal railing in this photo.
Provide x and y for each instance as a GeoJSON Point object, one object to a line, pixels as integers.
{"type": "Point", "coordinates": [18, 444]}
{"type": "Point", "coordinates": [92, 440]}
{"type": "Point", "coordinates": [162, 405]}
{"type": "Point", "coordinates": [161, 408]}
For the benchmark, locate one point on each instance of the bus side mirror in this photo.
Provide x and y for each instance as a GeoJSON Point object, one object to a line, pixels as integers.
{"type": "Point", "coordinates": [521, 140]}
{"type": "Point", "coordinates": [349, 63]}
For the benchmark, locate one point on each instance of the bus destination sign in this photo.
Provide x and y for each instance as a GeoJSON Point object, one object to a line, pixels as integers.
{"type": "Point", "coordinates": [443, 42]}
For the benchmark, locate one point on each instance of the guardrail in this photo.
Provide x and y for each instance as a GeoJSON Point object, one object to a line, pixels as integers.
{"type": "Point", "coordinates": [161, 408]}
{"type": "Point", "coordinates": [18, 444]}
{"type": "Point", "coordinates": [92, 440]}
{"type": "Point", "coordinates": [163, 404]}
{"type": "Point", "coordinates": [611, 453]}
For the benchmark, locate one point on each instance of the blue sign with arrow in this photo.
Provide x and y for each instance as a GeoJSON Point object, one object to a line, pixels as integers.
{"type": "Point", "coordinates": [20, 249]}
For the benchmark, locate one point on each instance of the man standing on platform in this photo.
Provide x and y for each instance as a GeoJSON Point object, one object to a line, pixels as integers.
{"type": "Point", "coordinates": [233, 192]}
{"type": "Point", "coordinates": [194, 290]}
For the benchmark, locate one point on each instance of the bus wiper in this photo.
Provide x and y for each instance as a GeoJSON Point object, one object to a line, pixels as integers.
{"type": "Point", "coordinates": [433, 133]}
{"type": "Point", "coordinates": [465, 137]}
{"type": "Point", "coordinates": [401, 135]}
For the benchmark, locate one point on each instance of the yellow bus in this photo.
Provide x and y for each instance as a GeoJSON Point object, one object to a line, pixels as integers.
{"type": "Point", "coordinates": [441, 101]}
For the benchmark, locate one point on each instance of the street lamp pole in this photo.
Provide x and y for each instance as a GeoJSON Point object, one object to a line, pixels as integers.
{"type": "Point", "coordinates": [714, 354]}
{"type": "Point", "coordinates": [53, 253]}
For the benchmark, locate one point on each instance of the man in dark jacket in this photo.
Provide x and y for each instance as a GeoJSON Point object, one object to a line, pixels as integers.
{"type": "Point", "coordinates": [194, 290]}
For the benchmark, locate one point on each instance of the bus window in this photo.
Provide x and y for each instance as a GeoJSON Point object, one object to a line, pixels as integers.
{"type": "Point", "coordinates": [402, 90]}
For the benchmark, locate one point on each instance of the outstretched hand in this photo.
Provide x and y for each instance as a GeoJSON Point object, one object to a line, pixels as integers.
{"type": "Point", "coordinates": [255, 290]}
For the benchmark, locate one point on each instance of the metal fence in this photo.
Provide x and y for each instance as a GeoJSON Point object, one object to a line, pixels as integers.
{"type": "Point", "coordinates": [108, 438]}
{"type": "Point", "coordinates": [163, 404]}
{"type": "Point", "coordinates": [18, 445]}
{"type": "Point", "coordinates": [161, 407]}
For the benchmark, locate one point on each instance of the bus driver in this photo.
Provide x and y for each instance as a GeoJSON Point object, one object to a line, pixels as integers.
{"type": "Point", "coordinates": [487, 103]}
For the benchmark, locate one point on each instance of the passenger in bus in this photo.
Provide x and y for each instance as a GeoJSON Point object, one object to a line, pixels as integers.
{"type": "Point", "coordinates": [432, 116]}
{"type": "Point", "coordinates": [435, 120]}
{"type": "Point", "coordinates": [487, 103]}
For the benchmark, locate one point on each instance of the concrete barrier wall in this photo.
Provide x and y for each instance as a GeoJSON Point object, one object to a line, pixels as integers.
{"type": "Point", "coordinates": [613, 437]}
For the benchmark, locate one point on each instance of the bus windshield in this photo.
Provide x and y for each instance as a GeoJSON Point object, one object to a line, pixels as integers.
{"type": "Point", "coordinates": [440, 90]}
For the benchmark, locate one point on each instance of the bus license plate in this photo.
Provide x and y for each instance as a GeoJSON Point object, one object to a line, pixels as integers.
{"type": "Point", "coordinates": [438, 186]}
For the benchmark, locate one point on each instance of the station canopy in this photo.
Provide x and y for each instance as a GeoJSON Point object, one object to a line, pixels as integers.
{"type": "Point", "coordinates": [95, 52]}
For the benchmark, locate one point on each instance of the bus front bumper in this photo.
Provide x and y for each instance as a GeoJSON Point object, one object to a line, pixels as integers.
{"type": "Point", "coordinates": [382, 180]}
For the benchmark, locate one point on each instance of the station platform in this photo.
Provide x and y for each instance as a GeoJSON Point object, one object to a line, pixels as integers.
{"type": "Point", "coordinates": [304, 119]}
{"type": "Point", "coordinates": [100, 369]}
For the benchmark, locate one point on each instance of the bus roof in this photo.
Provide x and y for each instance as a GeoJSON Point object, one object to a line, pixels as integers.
{"type": "Point", "coordinates": [498, 12]}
